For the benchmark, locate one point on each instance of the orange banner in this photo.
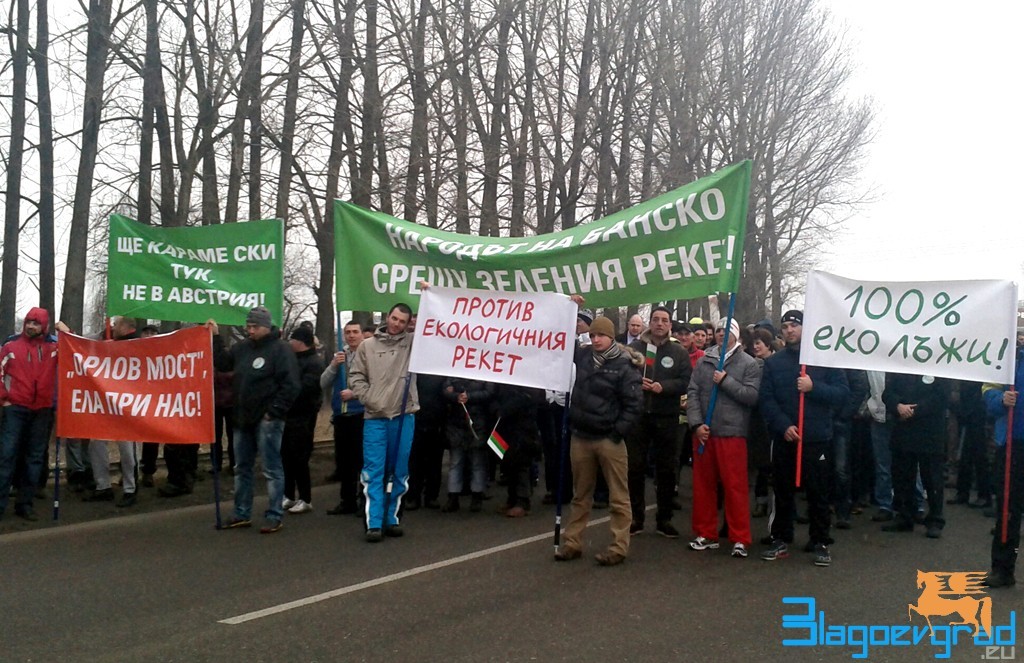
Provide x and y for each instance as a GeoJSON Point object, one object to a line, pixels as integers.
{"type": "Point", "coordinates": [157, 389]}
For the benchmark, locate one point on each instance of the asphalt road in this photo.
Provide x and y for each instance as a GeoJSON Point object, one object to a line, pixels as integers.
{"type": "Point", "coordinates": [161, 585]}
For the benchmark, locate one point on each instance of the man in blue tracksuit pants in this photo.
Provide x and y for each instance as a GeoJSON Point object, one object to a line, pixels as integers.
{"type": "Point", "coordinates": [379, 378]}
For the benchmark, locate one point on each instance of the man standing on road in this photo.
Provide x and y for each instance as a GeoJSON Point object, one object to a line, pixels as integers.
{"type": "Point", "coordinates": [266, 383]}
{"type": "Point", "coordinates": [28, 373]}
{"type": "Point", "coordinates": [379, 377]}
{"type": "Point", "coordinates": [665, 378]}
{"type": "Point", "coordinates": [825, 390]}
{"type": "Point", "coordinates": [605, 404]}
{"type": "Point", "coordinates": [724, 440]}
{"type": "Point", "coordinates": [999, 400]}
{"type": "Point", "coordinates": [347, 419]}
{"type": "Point", "coordinates": [122, 329]}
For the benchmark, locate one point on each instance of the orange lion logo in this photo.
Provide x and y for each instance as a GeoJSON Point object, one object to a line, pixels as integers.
{"type": "Point", "coordinates": [946, 594]}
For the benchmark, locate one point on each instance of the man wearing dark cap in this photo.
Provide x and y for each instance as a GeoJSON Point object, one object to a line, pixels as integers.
{"type": "Point", "coordinates": [583, 321]}
{"type": "Point", "coordinates": [266, 383]}
{"type": "Point", "coordinates": [297, 439]}
{"type": "Point", "coordinates": [605, 404]}
{"type": "Point", "coordinates": [825, 391]}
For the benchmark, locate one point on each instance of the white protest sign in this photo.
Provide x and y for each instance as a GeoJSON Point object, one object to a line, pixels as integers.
{"type": "Point", "coordinates": [953, 329]}
{"type": "Point", "coordinates": [515, 338]}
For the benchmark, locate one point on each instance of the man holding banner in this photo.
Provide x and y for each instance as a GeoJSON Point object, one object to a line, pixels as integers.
{"type": "Point", "coordinates": [824, 390]}
{"type": "Point", "coordinates": [1003, 402]}
{"type": "Point", "coordinates": [379, 377]}
{"type": "Point", "coordinates": [266, 383]}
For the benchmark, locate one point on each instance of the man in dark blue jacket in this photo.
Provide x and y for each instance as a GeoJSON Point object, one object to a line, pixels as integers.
{"type": "Point", "coordinates": [825, 390]}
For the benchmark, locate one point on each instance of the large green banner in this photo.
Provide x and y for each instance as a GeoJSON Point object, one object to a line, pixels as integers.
{"type": "Point", "coordinates": [195, 273]}
{"type": "Point", "coordinates": [686, 243]}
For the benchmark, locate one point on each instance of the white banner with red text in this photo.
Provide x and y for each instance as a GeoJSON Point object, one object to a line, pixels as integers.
{"type": "Point", "coordinates": [523, 339]}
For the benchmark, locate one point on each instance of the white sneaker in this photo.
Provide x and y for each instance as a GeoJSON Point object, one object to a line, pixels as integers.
{"type": "Point", "coordinates": [301, 507]}
{"type": "Point", "coordinates": [739, 550]}
{"type": "Point", "coordinates": [287, 504]}
{"type": "Point", "coordinates": [700, 543]}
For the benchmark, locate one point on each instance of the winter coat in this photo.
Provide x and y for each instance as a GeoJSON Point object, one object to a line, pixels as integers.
{"type": "Point", "coordinates": [28, 367]}
{"type": "Point", "coordinates": [671, 369]}
{"type": "Point", "coordinates": [993, 395]}
{"type": "Point", "coordinates": [379, 373]}
{"type": "Point", "coordinates": [925, 432]}
{"type": "Point", "coordinates": [737, 393]}
{"type": "Point", "coordinates": [857, 381]}
{"type": "Point", "coordinates": [479, 404]}
{"type": "Point", "coordinates": [779, 399]}
{"type": "Point", "coordinates": [515, 409]}
{"type": "Point", "coordinates": [606, 401]}
{"type": "Point", "coordinates": [307, 403]}
{"type": "Point", "coordinates": [266, 379]}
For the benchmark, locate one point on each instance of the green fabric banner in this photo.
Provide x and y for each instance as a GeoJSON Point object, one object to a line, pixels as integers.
{"type": "Point", "coordinates": [686, 243]}
{"type": "Point", "coordinates": [195, 273]}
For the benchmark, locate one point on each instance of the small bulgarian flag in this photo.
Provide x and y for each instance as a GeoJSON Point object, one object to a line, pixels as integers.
{"type": "Point", "coordinates": [652, 354]}
{"type": "Point", "coordinates": [496, 442]}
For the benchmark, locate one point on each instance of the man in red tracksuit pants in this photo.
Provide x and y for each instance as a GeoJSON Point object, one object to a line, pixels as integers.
{"type": "Point", "coordinates": [720, 443]}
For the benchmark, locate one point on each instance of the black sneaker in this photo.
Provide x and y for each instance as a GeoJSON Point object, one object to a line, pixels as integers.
{"type": "Point", "coordinates": [127, 499]}
{"type": "Point", "coordinates": [997, 579]}
{"type": "Point", "coordinates": [636, 528]}
{"type": "Point", "coordinates": [667, 530]}
{"type": "Point", "coordinates": [778, 550]}
{"type": "Point", "coordinates": [104, 495]}
{"type": "Point", "coordinates": [934, 532]}
{"type": "Point", "coordinates": [374, 535]}
{"type": "Point", "coordinates": [394, 531]}
{"type": "Point", "coordinates": [822, 557]}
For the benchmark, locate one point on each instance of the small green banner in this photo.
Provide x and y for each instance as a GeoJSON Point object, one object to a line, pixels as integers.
{"type": "Point", "coordinates": [194, 273]}
{"type": "Point", "coordinates": [686, 243]}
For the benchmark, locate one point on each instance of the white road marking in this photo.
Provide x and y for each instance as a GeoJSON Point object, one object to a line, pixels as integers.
{"type": "Point", "coordinates": [383, 580]}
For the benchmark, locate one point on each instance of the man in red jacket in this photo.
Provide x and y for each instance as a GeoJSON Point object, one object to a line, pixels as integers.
{"type": "Point", "coordinates": [28, 374]}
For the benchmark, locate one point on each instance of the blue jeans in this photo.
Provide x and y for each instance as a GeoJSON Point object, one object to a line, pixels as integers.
{"type": "Point", "coordinates": [477, 473]}
{"type": "Point", "coordinates": [383, 451]}
{"type": "Point", "coordinates": [265, 437]}
{"type": "Point", "coordinates": [27, 432]}
{"type": "Point", "coordinates": [881, 435]}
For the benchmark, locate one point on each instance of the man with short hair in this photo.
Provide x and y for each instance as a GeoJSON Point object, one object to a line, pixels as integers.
{"type": "Point", "coordinates": [666, 376]}
{"type": "Point", "coordinates": [347, 419]}
{"type": "Point", "coordinates": [121, 329]}
{"type": "Point", "coordinates": [825, 390]}
{"type": "Point", "coordinates": [266, 383]}
{"type": "Point", "coordinates": [379, 377]}
{"type": "Point", "coordinates": [634, 328]}
{"type": "Point", "coordinates": [28, 373]}
{"type": "Point", "coordinates": [583, 320]}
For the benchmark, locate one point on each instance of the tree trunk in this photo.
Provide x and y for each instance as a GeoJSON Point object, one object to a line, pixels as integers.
{"type": "Point", "coordinates": [47, 269]}
{"type": "Point", "coordinates": [291, 101]}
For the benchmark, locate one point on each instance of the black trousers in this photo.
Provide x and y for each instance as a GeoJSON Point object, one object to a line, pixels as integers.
{"type": "Point", "coordinates": [659, 436]}
{"type": "Point", "coordinates": [556, 454]}
{"type": "Point", "coordinates": [816, 476]}
{"type": "Point", "coordinates": [1004, 555]}
{"type": "Point", "coordinates": [426, 458]}
{"type": "Point", "coordinates": [181, 461]}
{"type": "Point", "coordinates": [973, 468]}
{"type": "Point", "coordinates": [150, 452]}
{"type": "Point", "coordinates": [515, 467]}
{"type": "Point", "coordinates": [296, 450]}
{"type": "Point", "coordinates": [348, 445]}
{"type": "Point", "coordinates": [905, 465]}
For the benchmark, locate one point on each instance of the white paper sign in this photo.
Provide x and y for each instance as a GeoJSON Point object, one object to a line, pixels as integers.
{"type": "Point", "coordinates": [954, 329]}
{"type": "Point", "coordinates": [524, 339]}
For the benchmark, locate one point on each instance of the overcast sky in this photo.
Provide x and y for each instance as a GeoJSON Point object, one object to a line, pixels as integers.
{"type": "Point", "coordinates": [945, 166]}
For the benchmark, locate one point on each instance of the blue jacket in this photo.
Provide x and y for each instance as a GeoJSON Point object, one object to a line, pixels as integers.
{"type": "Point", "coordinates": [993, 395]}
{"type": "Point", "coordinates": [779, 400]}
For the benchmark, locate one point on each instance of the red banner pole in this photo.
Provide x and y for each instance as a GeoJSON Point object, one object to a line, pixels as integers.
{"type": "Point", "coordinates": [800, 430]}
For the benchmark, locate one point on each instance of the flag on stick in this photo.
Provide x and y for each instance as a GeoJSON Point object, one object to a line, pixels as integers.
{"type": "Point", "coordinates": [496, 442]}
{"type": "Point", "coordinates": [652, 354]}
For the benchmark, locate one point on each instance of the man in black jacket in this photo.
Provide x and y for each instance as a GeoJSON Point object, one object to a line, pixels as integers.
{"type": "Point", "coordinates": [605, 404]}
{"type": "Point", "coordinates": [825, 390]}
{"type": "Point", "coordinates": [266, 384]}
{"type": "Point", "coordinates": [666, 376]}
{"type": "Point", "coordinates": [297, 439]}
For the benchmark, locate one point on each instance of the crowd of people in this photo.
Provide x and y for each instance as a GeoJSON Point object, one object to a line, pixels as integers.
{"type": "Point", "coordinates": [730, 400]}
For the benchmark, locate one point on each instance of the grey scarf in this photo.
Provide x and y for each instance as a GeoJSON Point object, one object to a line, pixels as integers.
{"type": "Point", "coordinates": [611, 353]}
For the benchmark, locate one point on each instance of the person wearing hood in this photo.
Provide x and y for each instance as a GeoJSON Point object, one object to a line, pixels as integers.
{"type": "Point", "coordinates": [266, 383]}
{"type": "Point", "coordinates": [666, 376]}
{"type": "Point", "coordinates": [379, 377]}
{"type": "Point", "coordinates": [28, 375]}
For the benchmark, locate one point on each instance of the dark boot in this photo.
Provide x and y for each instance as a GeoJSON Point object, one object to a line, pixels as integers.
{"type": "Point", "coordinates": [452, 505]}
{"type": "Point", "coordinates": [477, 503]}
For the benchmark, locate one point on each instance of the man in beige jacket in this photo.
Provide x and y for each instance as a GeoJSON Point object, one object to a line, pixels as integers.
{"type": "Point", "coordinates": [379, 377]}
